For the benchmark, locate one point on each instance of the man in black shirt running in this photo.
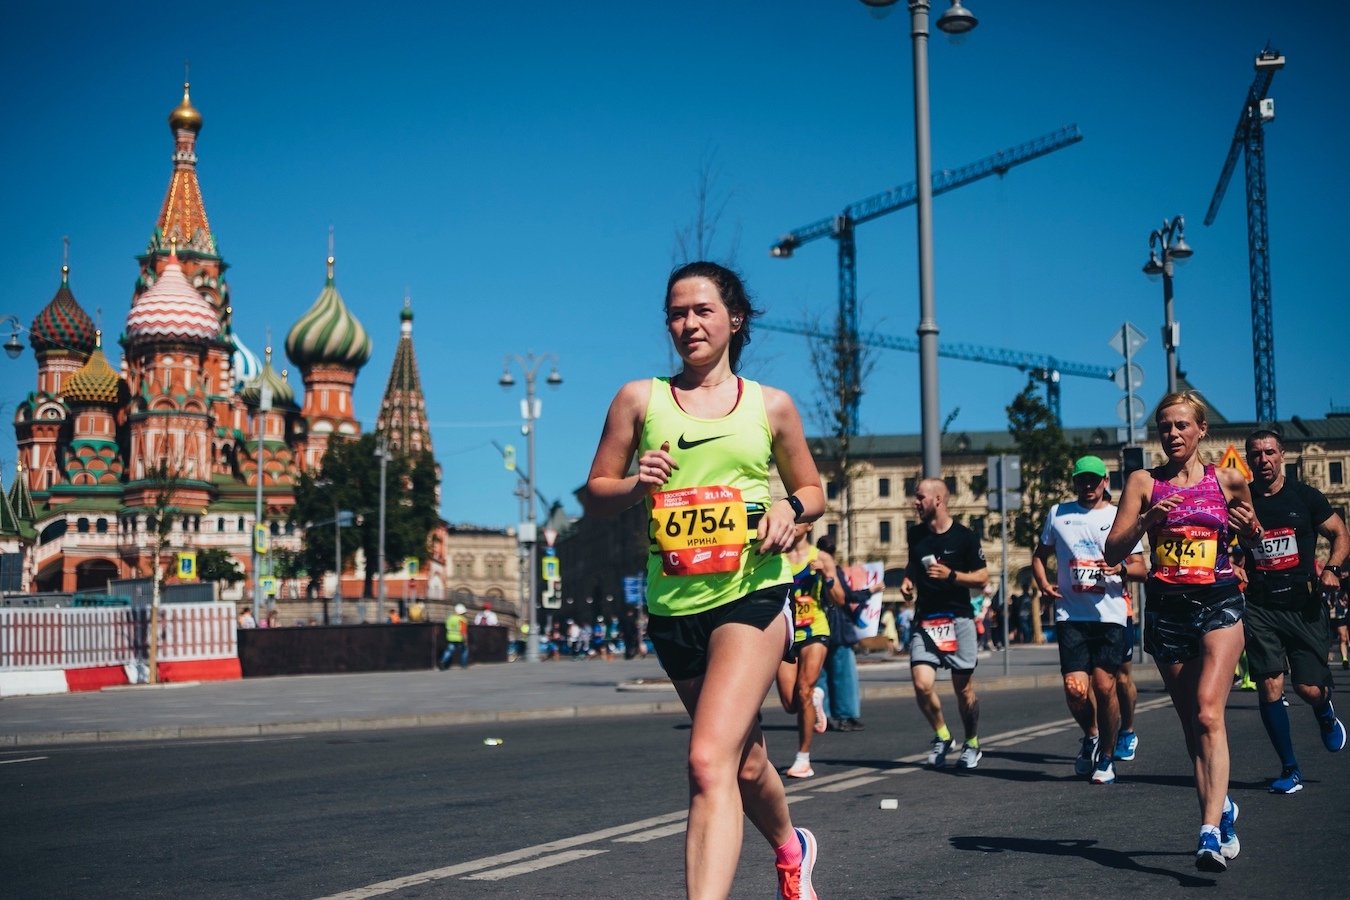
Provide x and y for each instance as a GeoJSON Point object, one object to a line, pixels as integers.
{"type": "Point", "coordinates": [1286, 615]}
{"type": "Point", "coordinates": [946, 563]}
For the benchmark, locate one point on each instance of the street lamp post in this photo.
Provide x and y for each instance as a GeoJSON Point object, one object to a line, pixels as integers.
{"type": "Point", "coordinates": [530, 365]}
{"type": "Point", "coordinates": [264, 404]}
{"type": "Point", "coordinates": [956, 20]}
{"type": "Point", "coordinates": [1167, 246]}
{"type": "Point", "coordinates": [382, 454]}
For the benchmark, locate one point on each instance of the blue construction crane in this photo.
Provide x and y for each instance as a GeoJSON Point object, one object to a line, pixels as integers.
{"type": "Point", "coordinates": [1046, 369]}
{"type": "Point", "coordinates": [841, 227]}
{"type": "Point", "coordinates": [1257, 109]}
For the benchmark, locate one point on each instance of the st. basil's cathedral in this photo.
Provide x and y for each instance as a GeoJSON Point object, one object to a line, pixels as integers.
{"type": "Point", "coordinates": [93, 442]}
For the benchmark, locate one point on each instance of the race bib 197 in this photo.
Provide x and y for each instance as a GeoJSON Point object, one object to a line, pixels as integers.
{"type": "Point", "coordinates": [699, 530]}
{"type": "Point", "coordinates": [941, 630]}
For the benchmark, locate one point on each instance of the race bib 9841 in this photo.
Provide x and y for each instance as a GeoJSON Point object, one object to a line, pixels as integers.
{"type": "Point", "coordinates": [699, 530]}
{"type": "Point", "coordinates": [1186, 554]}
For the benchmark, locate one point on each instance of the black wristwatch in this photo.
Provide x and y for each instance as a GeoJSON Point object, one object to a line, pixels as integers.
{"type": "Point", "coordinates": [1339, 571]}
{"type": "Point", "coordinates": [797, 509]}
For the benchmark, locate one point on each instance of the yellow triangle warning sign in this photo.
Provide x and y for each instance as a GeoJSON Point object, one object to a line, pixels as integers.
{"type": "Point", "coordinates": [1233, 460]}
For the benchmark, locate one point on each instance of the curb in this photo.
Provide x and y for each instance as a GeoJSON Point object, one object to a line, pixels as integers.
{"type": "Point", "coordinates": [340, 725]}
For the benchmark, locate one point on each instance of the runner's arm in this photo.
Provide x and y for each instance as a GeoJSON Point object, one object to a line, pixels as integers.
{"type": "Point", "coordinates": [1131, 521]}
{"type": "Point", "coordinates": [796, 467]}
{"type": "Point", "coordinates": [609, 488]}
{"type": "Point", "coordinates": [1334, 530]}
{"type": "Point", "coordinates": [1038, 571]}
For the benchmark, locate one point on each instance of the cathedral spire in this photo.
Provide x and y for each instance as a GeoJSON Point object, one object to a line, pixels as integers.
{"type": "Point", "coordinates": [403, 411]}
{"type": "Point", "coordinates": [182, 218]}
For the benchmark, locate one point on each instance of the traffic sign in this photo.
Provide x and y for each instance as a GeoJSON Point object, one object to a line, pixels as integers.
{"type": "Point", "coordinates": [1233, 460]}
{"type": "Point", "coordinates": [268, 583]}
{"type": "Point", "coordinates": [187, 565]}
{"type": "Point", "coordinates": [1130, 409]}
{"type": "Point", "coordinates": [1127, 336]}
{"type": "Point", "coordinates": [551, 568]}
{"type": "Point", "coordinates": [1128, 378]}
{"type": "Point", "coordinates": [259, 538]}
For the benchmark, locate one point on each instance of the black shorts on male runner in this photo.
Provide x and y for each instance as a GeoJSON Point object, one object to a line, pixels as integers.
{"type": "Point", "coordinates": [1300, 634]}
{"type": "Point", "coordinates": [1176, 621]}
{"type": "Point", "coordinates": [1084, 646]}
{"type": "Point", "coordinates": [681, 642]}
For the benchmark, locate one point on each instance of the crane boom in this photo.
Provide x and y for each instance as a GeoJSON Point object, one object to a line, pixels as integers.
{"type": "Point", "coordinates": [1043, 367]}
{"type": "Point", "coordinates": [1249, 140]}
{"type": "Point", "coordinates": [947, 180]}
{"type": "Point", "coordinates": [841, 227]}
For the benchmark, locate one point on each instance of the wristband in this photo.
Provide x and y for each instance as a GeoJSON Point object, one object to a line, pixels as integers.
{"type": "Point", "coordinates": [951, 577]}
{"type": "Point", "coordinates": [797, 509]}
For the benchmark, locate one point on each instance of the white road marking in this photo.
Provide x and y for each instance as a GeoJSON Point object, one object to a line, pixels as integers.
{"type": "Point", "coordinates": [533, 865]}
{"type": "Point", "coordinates": [25, 759]}
{"type": "Point", "coordinates": [558, 852]}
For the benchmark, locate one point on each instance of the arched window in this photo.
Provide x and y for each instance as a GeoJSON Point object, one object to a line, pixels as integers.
{"type": "Point", "coordinates": [220, 524]}
{"type": "Point", "coordinates": [82, 525]}
{"type": "Point", "coordinates": [240, 525]}
{"type": "Point", "coordinates": [101, 526]}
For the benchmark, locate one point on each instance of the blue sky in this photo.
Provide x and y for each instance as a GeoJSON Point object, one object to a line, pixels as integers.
{"type": "Point", "coordinates": [522, 170]}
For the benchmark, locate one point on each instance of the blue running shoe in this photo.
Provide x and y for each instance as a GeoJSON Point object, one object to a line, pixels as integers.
{"type": "Point", "coordinates": [1208, 855]}
{"type": "Point", "coordinates": [1126, 743]}
{"type": "Point", "coordinates": [1333, 732]}
{"type": "Point", "coordinates": [1289, 782]}
{"type": "Point", "coordinates": [1229, 845]}
{"type": "Point", "coordinates": [1086, 760]}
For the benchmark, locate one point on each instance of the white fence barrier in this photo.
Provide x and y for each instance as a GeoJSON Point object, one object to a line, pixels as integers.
{"type": "Point", "coordinates": [84, 638]}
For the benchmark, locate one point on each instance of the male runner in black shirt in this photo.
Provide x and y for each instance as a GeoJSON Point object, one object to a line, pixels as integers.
{"type": "Point", "coordinates": [1286, 616]}
{"type": "Point", "coordinates": [946, 563]}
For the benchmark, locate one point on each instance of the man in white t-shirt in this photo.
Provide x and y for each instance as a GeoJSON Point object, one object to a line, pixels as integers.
{"type": "Point", "coordinates": [1091, 611]}
{"type": "Point", "coordinates": [485, 615]}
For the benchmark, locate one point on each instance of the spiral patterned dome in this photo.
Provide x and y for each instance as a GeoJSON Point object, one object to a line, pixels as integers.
{"type": "Point", "coordinates": [95, 382]}
{"type": "Point", "coordinates": [328, 333]}
{"type": "Point", "coordinates": [282, 395]}
{"type": "Point", "coordinates": [172, 308]}
{"type": "Point", "coordinates": [62, 324]}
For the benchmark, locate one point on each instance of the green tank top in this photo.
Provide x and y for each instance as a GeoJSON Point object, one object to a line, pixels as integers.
{"type": "Point", "coordinates": [733, 453]}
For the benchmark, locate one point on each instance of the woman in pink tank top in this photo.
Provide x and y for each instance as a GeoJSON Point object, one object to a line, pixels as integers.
{"type": "Point", "coordinates": [1192, 620]}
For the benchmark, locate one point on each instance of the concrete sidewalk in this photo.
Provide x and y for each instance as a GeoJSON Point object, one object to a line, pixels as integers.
{"type": "Point", "coordinates": [561, 689]}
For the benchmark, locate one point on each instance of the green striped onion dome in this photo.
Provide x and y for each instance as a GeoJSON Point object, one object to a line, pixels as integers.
{"type": "Point", "coordinates": [328, 333]}
{"type": "Point", "coordinates": [62, 324]}
{"type": "Point", "coordinates": [282, 394]}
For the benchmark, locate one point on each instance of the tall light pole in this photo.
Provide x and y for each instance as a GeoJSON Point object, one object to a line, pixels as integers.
{"type": "Point", "coordinates": [259, 535]}
{"type": "Point", "coordinates": [956, 20]}
{"type": "Point", "coordinates": [341, 517]}
{"type": "Point", "coordinates": [382, 454]}
{"type": "Point", "coordinates": [1167, 246]}
{"type": "Point", "coordinates": [530, 365]}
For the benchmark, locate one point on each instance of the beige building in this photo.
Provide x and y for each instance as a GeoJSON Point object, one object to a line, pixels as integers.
{"type": "Point", "coordinates": [596, 555]}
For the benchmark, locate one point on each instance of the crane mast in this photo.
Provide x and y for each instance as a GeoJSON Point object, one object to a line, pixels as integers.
{"type": "Point", "coordinates": [1249, 140]}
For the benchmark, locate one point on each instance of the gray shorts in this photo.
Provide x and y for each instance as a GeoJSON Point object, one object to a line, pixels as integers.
{"type": "Point", "coordinates": [924, 649]}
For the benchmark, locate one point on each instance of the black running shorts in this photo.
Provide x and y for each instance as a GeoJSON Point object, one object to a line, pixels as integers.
{"type": "Point", "coordinates": [681, 642]}
{"type": "Point", "coordinates": [1300, 635]}
{"type": "Point", "coordinates": [1084, 646]}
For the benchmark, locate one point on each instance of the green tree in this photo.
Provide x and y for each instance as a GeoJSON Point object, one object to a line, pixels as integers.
{"type": "Point", "coordinates": [1047, 458]}
{"type": "Point", "coordinates": [215, 564]}
{"type": "Point", "coordinates": [349, 479]}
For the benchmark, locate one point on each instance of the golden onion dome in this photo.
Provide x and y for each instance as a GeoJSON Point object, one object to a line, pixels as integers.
{"type": "Point", "coordinates": [95, 381]}
{"type": "Point", "coordinates": [185, 115]}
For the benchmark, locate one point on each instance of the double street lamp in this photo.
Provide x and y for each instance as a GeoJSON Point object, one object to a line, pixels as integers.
{"type": "Point", "coordinates": [956, 20]}
{"type": "Point", "coordinates": [530, 365]}
{"type": "Point", "coordinates": [1167, 247]}
{"type": "Point", "coordinates": [13, 347]}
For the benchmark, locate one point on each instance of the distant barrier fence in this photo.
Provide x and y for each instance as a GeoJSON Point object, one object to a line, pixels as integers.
{"type": "Point", "coordinates": [68, 638]}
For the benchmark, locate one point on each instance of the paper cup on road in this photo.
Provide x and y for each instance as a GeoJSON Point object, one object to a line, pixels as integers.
{"type": "Point", "coordinates": [493, 742]}
{"type": "Point", "coordinates": [890, 803]}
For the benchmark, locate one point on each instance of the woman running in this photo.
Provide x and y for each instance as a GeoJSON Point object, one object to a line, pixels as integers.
{"type": "Point", "coordinates": [1190, 513]}
{"type": "Point", "coordinates": [717, 580]}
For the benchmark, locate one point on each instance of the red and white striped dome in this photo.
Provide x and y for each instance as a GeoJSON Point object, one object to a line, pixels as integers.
{"type": "Point", "coordinates": [172, 308]}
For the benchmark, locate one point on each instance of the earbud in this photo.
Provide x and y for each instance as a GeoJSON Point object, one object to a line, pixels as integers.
{"type": "Point", "coordinates": [736, 321]}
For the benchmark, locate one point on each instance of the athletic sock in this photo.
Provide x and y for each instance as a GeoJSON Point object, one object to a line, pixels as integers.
{"type": "Point", "coordinates": [1212, 829]}
{"type": "Point", "coordinates": [790, 854]}
{"type": "Point", "coordinates": [803, 759]}
{"type": "Point", "coordinates": [1324, 711]}
{"type": "Point", "coordinates": [944, 733]}
{"type": "Point", "coordinates": [1276, 719]}
{"type": "Point", "coordinates": [973, 742]}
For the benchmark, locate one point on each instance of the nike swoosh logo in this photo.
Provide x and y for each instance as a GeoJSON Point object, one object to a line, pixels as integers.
{"type": "Point", "coordinates": [690, 445]}
{"type": "Point", "coordinates": [1106, 528]}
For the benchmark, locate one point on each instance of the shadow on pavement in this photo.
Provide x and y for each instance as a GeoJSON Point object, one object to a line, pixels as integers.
{"type": "Point", "coordinates": [1081, 848]}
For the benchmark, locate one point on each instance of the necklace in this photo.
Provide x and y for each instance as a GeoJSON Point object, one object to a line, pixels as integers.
{"type": "Point", "coordinates": [713, 385]}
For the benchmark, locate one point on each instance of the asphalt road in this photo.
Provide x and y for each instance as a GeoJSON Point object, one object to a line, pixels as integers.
{"type": "Point", "coordinates": [595, 808]}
